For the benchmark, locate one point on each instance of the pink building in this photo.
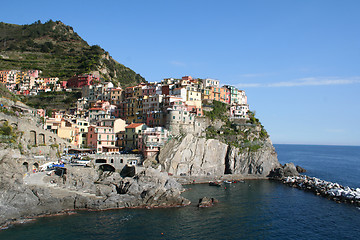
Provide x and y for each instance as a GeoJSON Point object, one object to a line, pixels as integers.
{"type": "Point", "coordinates": [40, 112]}
{"type": "Point", "coordinates": [33, 73]}
{"type": "Point", "coordinates": [225, 95]}
{"type": "Point", "coordinates": [102, 139]}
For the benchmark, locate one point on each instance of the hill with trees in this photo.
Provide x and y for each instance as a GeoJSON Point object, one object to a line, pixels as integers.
{"type": "Point", "coordinates": [58, 51]}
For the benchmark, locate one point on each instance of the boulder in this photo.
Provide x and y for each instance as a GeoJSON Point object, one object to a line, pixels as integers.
{"type": "Point", "coordinates": [290, 170]}
{"type": "Point", "coordinates": [300, 169]}
{"type": "Point", "coordinates": [287, 170]}
{"type": "Point", "coordinates": [207, 202]}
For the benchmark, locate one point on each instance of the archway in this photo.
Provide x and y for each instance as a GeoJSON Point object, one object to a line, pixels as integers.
{"type": "Point", "coordinates": [35, 167]}
{"type": "Point", "coordinates": [25, 167]}
{"type": "Point", "coordinates": [107, 167]}
{"type": "Point", "coordinates": [41, 139]}
{"type": "Point", "coordinates": [32, 137]}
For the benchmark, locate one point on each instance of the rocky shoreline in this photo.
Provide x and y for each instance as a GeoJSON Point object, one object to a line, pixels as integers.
{"type": "Point", "coordinates": [29, 195]}
{"type": "Point", "coordinates": [329, 190]}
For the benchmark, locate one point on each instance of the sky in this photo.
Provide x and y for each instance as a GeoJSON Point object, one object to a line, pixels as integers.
{"type": "Point", "coordinates": [297, 60]}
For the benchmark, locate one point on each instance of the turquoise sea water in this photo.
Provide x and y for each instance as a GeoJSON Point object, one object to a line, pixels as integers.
{"type": "Point", "coordinates": [256, 209]}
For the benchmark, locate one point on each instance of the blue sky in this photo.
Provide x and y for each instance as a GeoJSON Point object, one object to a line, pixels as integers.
{"type": "Point", "coordinates": [298, 61]}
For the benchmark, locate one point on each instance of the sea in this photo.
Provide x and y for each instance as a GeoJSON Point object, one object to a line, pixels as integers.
{"type": "Point", "coordinates": [253, 209]}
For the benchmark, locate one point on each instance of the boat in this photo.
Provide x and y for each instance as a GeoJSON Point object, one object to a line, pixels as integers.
{"type": "Point", "coordinates": [228, 182]}
{"type": "Point", "coordinates": [216, 184]}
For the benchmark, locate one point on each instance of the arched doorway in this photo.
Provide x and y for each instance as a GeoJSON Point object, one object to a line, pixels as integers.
{"type": "Point", "coordinates": [41, 139]}
{"type": "Point", "coordinates": [25, 167]}
{"type": "Point", "coordinates": [107, 167]}
{"type": "Point", "coordinates": [32, 137]}
{"type": "Point", "coordinates": [35, 167]}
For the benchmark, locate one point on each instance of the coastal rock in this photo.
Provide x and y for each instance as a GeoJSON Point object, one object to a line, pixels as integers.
{"type": "Point", "coordinates": [281, 172]}
{"type": "Point", "coordinates": [153, 189]}
{"type": "Point", "coordinates": [252, 163]}
{"type": "Point", "coordinates": [32, 194]}
{"type": "Point", "coordinates": [290, 170]}
{"type": "Point", "coordinates": [333, 191]}
{"type": "Point", "coordinates": [207, 202]}
{"type": "Point", "coordinates": [195, 156]}
{"type": "Point", "coordinates": [300, 169]}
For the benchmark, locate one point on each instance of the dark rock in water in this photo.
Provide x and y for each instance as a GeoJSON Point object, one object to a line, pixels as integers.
{"type": "Point", "coordinates": [277, 173]}
{"type": "Point", "coordinates": [287, 170]}
{"type": "Point", "coordinates": [290, 170]}
{"type": "Point", "coordinates": [300, 169]}
{"type": "Point", "coordinates": [207, 202]}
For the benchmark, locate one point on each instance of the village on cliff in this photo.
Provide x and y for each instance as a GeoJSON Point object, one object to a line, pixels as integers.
{"type": "Point", "coordinates": [135, 119]}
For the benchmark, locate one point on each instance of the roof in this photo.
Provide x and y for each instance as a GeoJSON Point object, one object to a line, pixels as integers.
{"type": "Point", "coordinates": [134, 125]}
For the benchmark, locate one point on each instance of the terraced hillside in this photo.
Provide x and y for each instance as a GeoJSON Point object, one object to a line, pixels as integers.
{"type": "Point", "coordinates": [58, 51]}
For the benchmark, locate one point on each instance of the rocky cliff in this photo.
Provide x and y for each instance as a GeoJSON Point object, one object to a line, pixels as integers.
{"type": "Point", "coordinates": [198, 156]}
{"type": "Point", "coordinates": [33, 194]}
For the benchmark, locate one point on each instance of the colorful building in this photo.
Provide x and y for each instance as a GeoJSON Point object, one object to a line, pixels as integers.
{"type": "Point", "coordinates": [82, 81]}
{"type": "Point", "coordinates": [102, 139]}
{"type": "Point", "coordinates": [151, 140]}
{"type": "Point", "coordinates": [131, 135]}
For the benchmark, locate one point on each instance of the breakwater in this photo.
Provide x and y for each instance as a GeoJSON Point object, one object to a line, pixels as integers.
{"type": "Point", "coordinates": [332, 191]}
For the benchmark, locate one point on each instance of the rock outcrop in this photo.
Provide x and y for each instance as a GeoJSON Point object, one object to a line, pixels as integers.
{"type": "Point", "coordinates": [288, 170]}
{"type": "Point", "coordinates": [196, 156]}
{"type": "Point", "coordinates": [36, 194]}
{"type": "Point", "coordinates": [207, 202]}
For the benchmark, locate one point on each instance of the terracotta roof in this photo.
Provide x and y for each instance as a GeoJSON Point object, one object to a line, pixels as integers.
{"type": "Point", "coordinates": [134, 125]}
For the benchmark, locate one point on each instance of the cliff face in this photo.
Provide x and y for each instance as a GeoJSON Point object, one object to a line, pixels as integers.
{"type": "Point", "coordinates": [195, 156]}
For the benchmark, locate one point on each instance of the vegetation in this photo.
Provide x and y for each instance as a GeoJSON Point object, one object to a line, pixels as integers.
{"type": "Point", "coordinates": [219, 111]}
{"type": "Point", "coordinates": [246, 137]}
{"type": "Point", "coordinates": [53, 100]}
{"type": "Point", "coordinates": [58, 51]}
{"type": "Point", "coordinates": [7, 133]}
{"type": "Point", "coordinates": [4, 92]}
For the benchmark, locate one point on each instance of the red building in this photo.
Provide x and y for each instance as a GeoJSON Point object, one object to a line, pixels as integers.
{"type": "Point", "coordinates": [81, 81]}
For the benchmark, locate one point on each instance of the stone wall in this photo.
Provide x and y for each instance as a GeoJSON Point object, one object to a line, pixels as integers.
{"type": "Point", "coordinates": [33, 138]}
{"type": "Point", "coordinates": [118, 161]}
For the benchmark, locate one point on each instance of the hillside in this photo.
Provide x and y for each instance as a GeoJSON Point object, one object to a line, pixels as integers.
{"type": "Point", "coordinates": [58, 51]}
